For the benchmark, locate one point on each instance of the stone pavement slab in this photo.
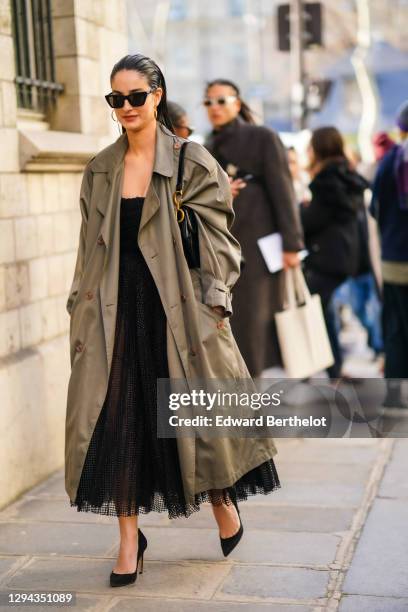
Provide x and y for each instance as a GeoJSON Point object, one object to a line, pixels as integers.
{"type": "Point", "coordinates": [56, 538]}
{"type": "Point", "coordinates": [318, 471]}
{"type": "Point", "coordinates": [275, 516]}
{"type": "Point", "coordinates": [6, 563]}
{"type": "Point", "coordinates": [256, 547]}
{"type": "Point", "coordinates": [193, 580]}
{"type": "Point", "coordinates": [40, 509]}
{"type": "Point", "coordinates": [50, 487]}
{"type": "Point", "coordinates": [53, 509]}
{"type": "Point", "coordinates": [395, 482]}
{"type": "Point", "coordinates": [330, 494]}
{"type": "Point", "coordinates": [259, 582]}
{"type": "Point", "coordinates": [352, 603]}
{"type": "Point", "coordinates": [187, 605]}
{"type": "Point", "coordinates": [380, 562]}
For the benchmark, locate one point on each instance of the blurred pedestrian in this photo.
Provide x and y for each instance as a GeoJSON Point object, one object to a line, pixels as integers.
{"type": "Point", "coordinates": [299, 177]}
{"type": "Point", "coordinates": [264, 203]}
{"type": "Point", "coordinates": [382, 143]}
{"type": "Point", "coordinates": [361, 291]}
{"type": "Point", "coordinates": [330, 224]}
{"type": "Point", "coordinates": [179, 118]}
{"type": "Point", "coordinates": [390, 207]}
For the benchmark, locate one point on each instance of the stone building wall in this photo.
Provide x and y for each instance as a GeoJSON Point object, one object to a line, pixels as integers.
{"type": "Point", "coordinates": [41, 162]}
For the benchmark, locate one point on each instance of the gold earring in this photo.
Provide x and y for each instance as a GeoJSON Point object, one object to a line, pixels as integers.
{"type": "Point", "coordinates": [116, 121]}
{"type": "Point", "coordinates": [155, 113]}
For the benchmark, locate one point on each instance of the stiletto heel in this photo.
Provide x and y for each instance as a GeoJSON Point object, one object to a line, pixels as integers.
{"type": "Point", "coordinates": [123, 579]}
{"type": "Point", "coordinates": [228, 544]}
{"type": "Point", "coordinates": [141, 564]}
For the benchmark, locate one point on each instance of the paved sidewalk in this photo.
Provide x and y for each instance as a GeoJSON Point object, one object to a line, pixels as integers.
{"type": "Point", "coordinates": [334, 537]}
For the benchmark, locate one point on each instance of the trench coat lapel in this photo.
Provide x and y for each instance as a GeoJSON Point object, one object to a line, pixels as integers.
{"type": "Point", "coordinates": [108, 205]}
{"type": "Point", "coordinates": [112, 164]}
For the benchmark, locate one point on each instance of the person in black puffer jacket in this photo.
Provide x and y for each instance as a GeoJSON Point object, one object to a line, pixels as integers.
{"type": "Point", "coordinates": [331, 225]}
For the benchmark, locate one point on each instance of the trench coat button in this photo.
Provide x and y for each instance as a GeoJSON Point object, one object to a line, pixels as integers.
{"type": "Point", "coordinates": [174, 241]}
{"type": "Point", "coordinates": [177, 145]}
{"type": "Point", "coordinates": [100, 240]}
{"type": "Point", "coordinates": [192, 352]}
{"type": "Point", "coordinates": [183, 297]}
{"type": "Point", "coordinates": [79, 347]}
{"type": "Point", "coordinates": [89, 295]}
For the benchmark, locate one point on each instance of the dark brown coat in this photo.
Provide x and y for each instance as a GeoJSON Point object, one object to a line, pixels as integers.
{"type": "Point", "coordinates": [266, 205]}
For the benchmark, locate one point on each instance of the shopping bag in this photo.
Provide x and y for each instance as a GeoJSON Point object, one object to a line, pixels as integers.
{"type": "Point", "coordinates": [301, 328]}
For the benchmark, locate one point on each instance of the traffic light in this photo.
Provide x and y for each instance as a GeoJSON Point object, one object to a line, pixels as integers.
{"type": "Point", "coordinates": [316, 94]}
{"type": "Point", "coordinates": [312, 25]}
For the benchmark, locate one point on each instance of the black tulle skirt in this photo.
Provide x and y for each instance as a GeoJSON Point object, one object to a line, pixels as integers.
{"type": "Point", "coordinates": [129, 470]}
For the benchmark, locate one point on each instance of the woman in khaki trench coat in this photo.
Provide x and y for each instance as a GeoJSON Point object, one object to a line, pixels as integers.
{"type": "Point", "coordinates": [194, 306]}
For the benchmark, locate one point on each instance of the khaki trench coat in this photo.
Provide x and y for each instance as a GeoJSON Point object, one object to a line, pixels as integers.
{"type": "Point", "coordinates": [196, 346]}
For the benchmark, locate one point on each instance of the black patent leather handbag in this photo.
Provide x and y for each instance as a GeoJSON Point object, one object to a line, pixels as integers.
{"type": "Point", "coordinates": [186, 218]}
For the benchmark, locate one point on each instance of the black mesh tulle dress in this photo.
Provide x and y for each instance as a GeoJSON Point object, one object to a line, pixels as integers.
{"type": "Point", "coordinates": [128, 469]}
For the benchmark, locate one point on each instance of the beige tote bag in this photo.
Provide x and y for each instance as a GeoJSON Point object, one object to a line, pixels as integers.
{"type": "Point", "coordinates": [302, 333]}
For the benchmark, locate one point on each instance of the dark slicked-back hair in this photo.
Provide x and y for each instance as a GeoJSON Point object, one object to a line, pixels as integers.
{"type": "Point", "coordinates": [245, 112]}
{"type": "Point", "coordinates": [154, 76]}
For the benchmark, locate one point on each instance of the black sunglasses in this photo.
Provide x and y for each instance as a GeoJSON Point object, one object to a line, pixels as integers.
{"type": "Point", "coordinates": [137, 98]}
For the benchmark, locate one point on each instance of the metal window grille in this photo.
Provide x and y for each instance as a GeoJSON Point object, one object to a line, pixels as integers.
{"type": "Point", "coordinates": [32, 32]}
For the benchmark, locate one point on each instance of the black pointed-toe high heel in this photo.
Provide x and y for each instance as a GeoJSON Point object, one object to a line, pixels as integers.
{"type": "Point", "coordinates": [228, 544]}
{"type": "Point", "coordinates": [117, 580]}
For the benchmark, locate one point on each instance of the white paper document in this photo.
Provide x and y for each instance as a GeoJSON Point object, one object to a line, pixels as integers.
{"type": "Point", "coordinates": [271, 249]}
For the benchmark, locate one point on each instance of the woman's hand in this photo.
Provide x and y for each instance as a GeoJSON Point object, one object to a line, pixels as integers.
{"type": "Point", "coordinates": [219, 309]}
{"type": "Point", "coordinates": [236, 186]}
{"type": "Point", "coordinates": [290, 259]}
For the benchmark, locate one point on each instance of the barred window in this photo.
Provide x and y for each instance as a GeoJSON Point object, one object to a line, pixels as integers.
{"type": "Point", "coordinates": [35, 69]}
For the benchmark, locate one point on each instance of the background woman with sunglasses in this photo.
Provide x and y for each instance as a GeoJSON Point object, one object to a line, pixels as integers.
{"type": "Point", "coordinates": [115, 463]}
{"type": "Point", "coordinates": [264, 202]}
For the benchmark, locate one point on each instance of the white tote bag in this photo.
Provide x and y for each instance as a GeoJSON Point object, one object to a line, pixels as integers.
{"type": "Point", "coordinates": [302, 333]}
